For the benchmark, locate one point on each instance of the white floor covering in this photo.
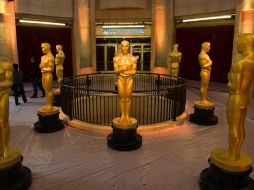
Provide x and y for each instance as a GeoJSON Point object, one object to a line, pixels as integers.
{"type": "Point", "coordinates": [170, 159]}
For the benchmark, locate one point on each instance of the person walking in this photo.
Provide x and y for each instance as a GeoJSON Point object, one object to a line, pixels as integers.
{"type": "Point", "coordinates": [36, 78]}
{"type": "Point", "coordinates": [18, 86]}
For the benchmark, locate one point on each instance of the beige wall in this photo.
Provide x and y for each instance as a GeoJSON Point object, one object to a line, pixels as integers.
{"type": "Point", "coordinates": [51, 8]}
{"type": "Point", "coordinates": [113, 4]}
{"type": "Point", "coordinates": [114, 9]}
{"type": "Point", "coordinates": [194, 7]}
{"type": "Point", "coordinates": [123, 10]}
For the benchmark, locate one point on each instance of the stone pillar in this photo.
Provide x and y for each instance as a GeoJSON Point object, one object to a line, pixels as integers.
{"type": "Point", "coordinates": [84, 38]}
{"type": "Point", "coordinates": [162, 34]}
{"type": "Point", "coordinates": [244, 20]}
{"type": "Point", "coordinates": [5, 37]}
{"type": "Point", "coordinates": [244, 23]}
{"type": "Point", "coordinates": [13, 34]}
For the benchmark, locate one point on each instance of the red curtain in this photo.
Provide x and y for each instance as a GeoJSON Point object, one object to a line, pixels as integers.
{"type": "Point", "coordinates": [190, 40]}
{"type": "Point", "coordinates": [29, 39]}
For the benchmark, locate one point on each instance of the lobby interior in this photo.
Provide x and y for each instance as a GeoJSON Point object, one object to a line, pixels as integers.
{"type": "Point", "coordinates": [173, 154]}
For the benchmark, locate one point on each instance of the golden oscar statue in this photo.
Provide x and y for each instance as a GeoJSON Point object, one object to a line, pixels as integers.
{"type": "Point", "coordinates": [48, 110]}
{"type": "Point", "coordinates": [5, 85]}
{"type": "Point", "coordinates": [203, 113]}
{"type": "Point", "coordinates": [241, 77]}
{"type": "Point", "coordinates": [205, 64]}
{"type": "Point", "coordinates": [125, 67]}
{"type": "Point", "coordinates": [9, 157]}
{"type": "Point", "coordinates": [47, 68]}
{"type": "Point", "coordinates": [59, 60]}
{"type": "Point", "coordinates": [175, 57]}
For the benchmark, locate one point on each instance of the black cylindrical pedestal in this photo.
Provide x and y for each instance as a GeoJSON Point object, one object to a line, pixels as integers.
{"type": "Point", "coordinates": [48, 123]}
{"type": "Point", "coordinates": [203, 116]}
{"type": "Point", "coordinates": [124, 139]}
{"type": "Point", "coordinates": [16, 177]}
{"type": "Point", "coordinates": [215, 178]}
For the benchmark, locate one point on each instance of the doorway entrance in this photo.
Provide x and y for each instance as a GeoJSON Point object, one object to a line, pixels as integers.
{"type": "Point", "coordinates": [107, 48]}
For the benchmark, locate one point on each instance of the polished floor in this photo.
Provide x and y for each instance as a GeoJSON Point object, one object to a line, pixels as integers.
{"type": "Point", "coordinates": [170, 159]}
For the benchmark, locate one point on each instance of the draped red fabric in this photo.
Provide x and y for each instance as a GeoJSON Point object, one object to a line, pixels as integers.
{"type": "Point", "coordinates": [190, 40]}
{"type": "Point", "coordinates": [29, 39]}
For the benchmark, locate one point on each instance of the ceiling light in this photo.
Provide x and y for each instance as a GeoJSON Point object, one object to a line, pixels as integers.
{"type": "Point", "coordinates": [208, 18]}
{"type": "Point", "coordinates": [42, 22]}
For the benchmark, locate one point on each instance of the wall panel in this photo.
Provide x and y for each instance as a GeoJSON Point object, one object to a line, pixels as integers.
{"type": "Point", "coordinates": [29, 39]}
{"type": "Point", "coordinates": [190, 40]}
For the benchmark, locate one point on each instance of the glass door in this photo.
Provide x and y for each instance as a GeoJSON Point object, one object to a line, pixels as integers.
{"type": "Point", "coordinates": [107, 48]}
{"type": "Point", "coordinates": [100, 58]}
{"type": "Point", "coordinates": [138, 53]}
{"type": "Point", "coordinates": [142, 52]}
{"type": "Point", "coordinates": [110, 55]}
{"type": "Point", "coordinates": [104, 57]}
{"type": "Point", "coordinates": [147, 57]}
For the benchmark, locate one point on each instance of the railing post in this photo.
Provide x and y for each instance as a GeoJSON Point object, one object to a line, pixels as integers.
{"type": "Point", "coordinates": [175, 103]}
{"type": "Point", "coordinates": [182, 100]}
{"type": "Point", "coordinates": [70, 103]}
{"type": "Point", "coordinates": [158, 83]}
{"type": "Point", "coordinates": [67, 97]}
{"type": "Point", "coordinates": [88, 83]}
{"type": "Point", "coordinates": [116, 88]}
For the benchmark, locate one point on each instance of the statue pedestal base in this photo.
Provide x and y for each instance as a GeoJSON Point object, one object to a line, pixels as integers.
{"type": "Point", "coordinates": [203, 114]}
{"type": "Point", "coordinates": [215, 178]}
{"type": "Point", "coordinates": [57, 99]}
{"type": "Point", "coordinates": [15, 177]}
{"type": "Point", "coordinates": [124, 137]}
{"type": "Point", "coordinates": [48, 122]}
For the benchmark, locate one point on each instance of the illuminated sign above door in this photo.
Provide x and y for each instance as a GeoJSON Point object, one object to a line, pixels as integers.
{"type": "Point", "coordinates": [123, 31]}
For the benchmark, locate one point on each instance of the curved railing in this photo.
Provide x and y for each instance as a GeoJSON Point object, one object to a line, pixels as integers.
{"type": "Point", "coordinates": [93, 98]}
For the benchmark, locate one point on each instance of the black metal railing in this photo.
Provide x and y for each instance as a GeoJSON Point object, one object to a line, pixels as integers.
{"type": "Point", "coordinates": [93, 98]}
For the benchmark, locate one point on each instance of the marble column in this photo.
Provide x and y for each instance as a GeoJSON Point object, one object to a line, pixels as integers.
{"type": "Point", "coordinates": [162, 34]}
{"type": "Point", "coordinates": [244, 23]}
{"type": "Point", "coordinates": [5, 37]}
{"type": "Point", "coordinates": [244, 20]}
{"type": "Point", "coordinates": [84, 38]}
{"type": "Point", "coordinates": [13, 34]}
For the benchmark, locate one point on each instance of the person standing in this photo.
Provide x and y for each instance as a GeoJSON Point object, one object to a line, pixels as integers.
{"type": "Point", "coordinates": [36, 78]}
{"type": "Point", "coordinates": [18, 86]}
